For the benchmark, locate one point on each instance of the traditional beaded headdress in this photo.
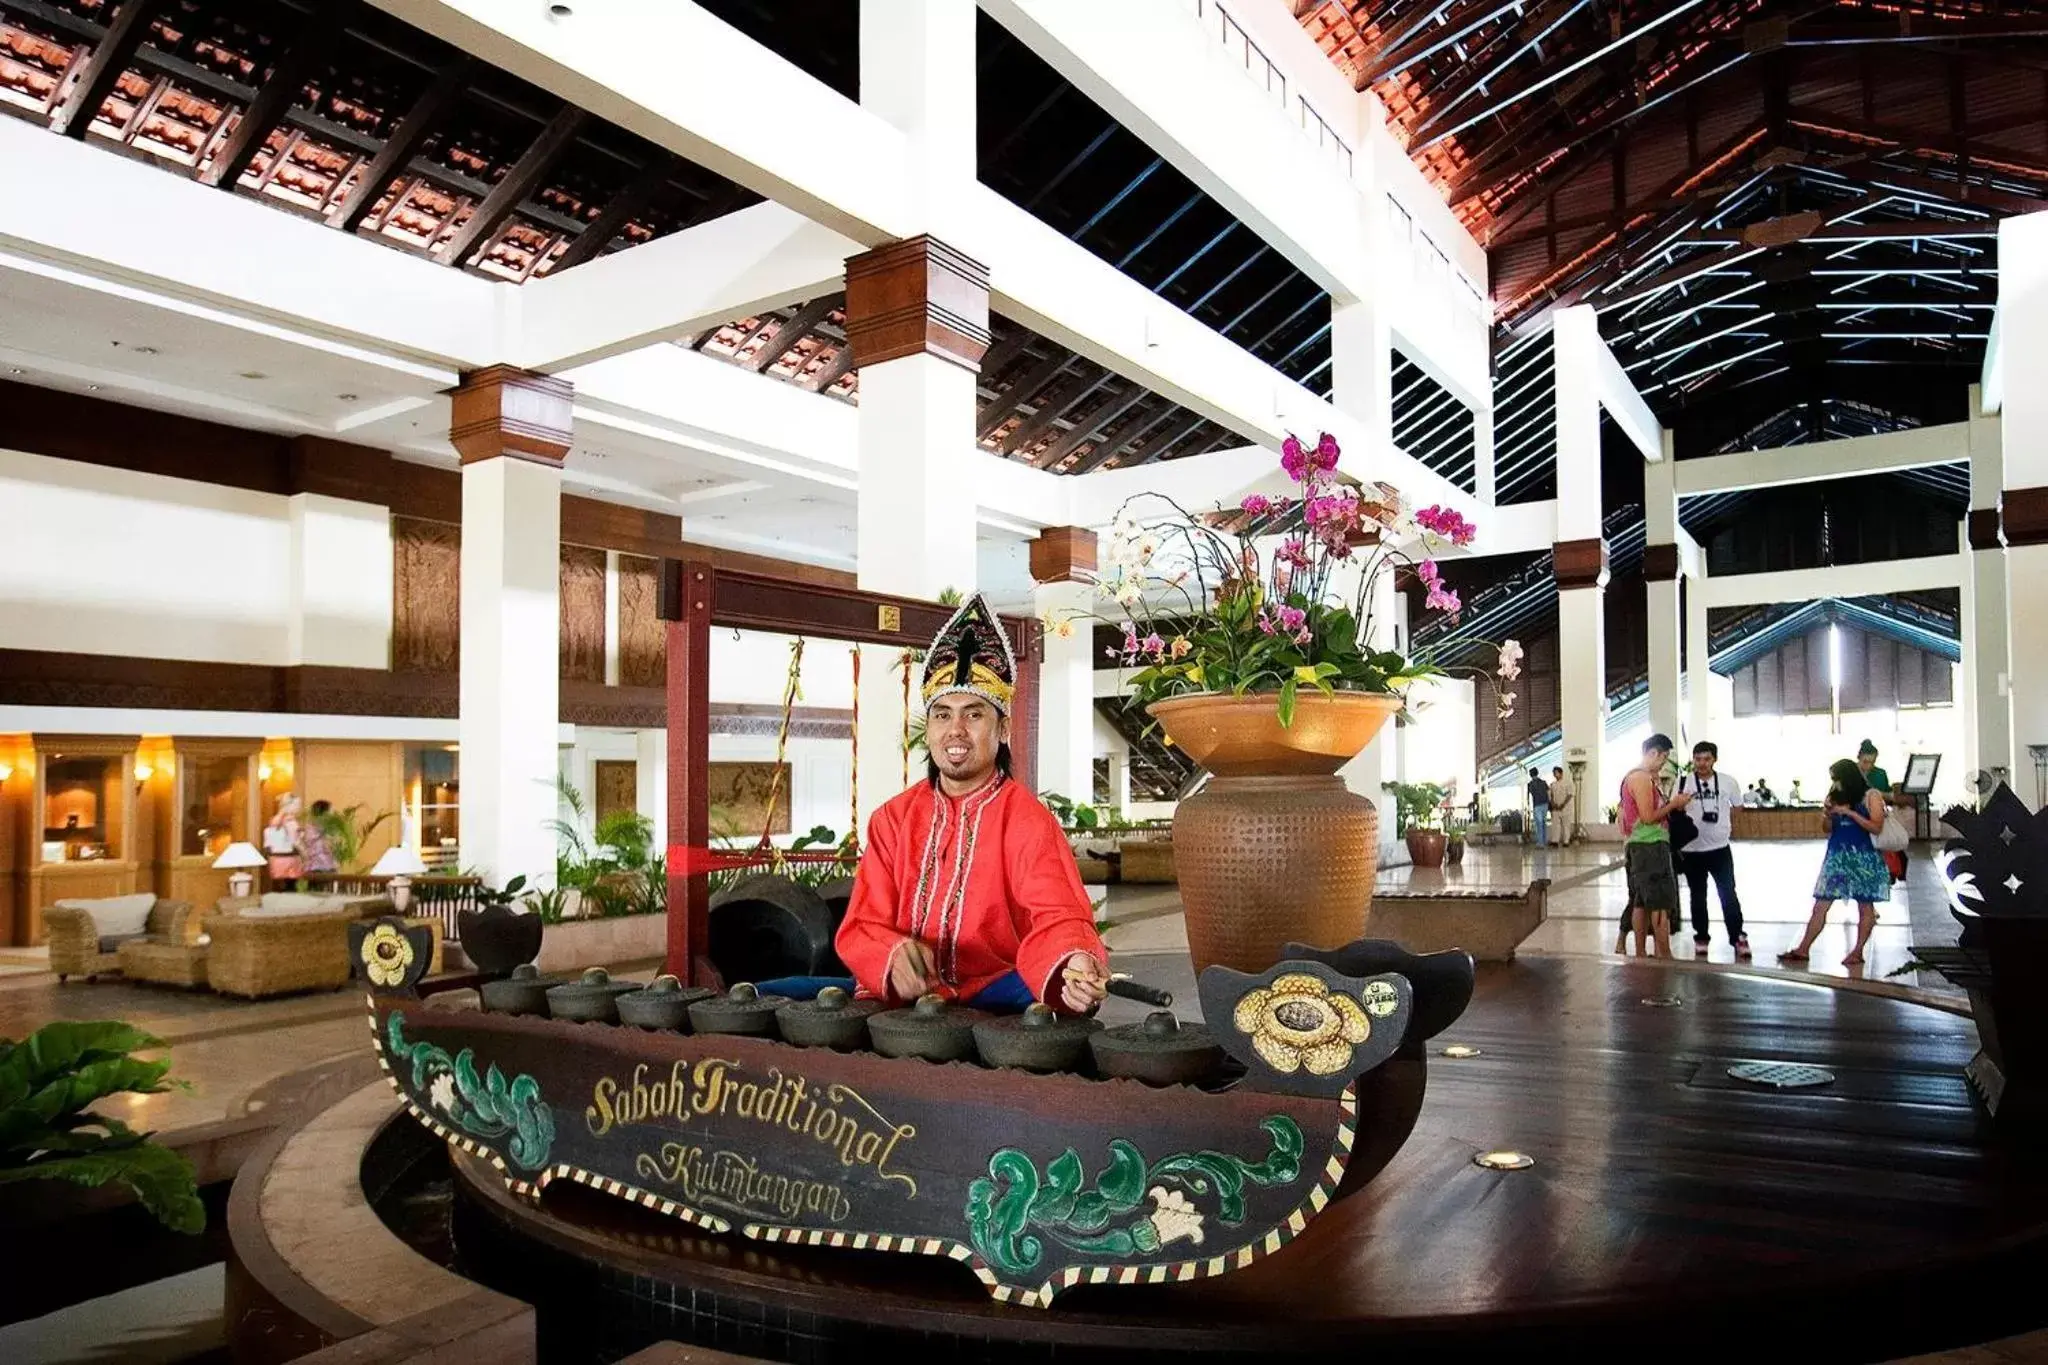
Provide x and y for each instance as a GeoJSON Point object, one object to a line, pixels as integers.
{"type": "Point", "coordinates": [971, 654]}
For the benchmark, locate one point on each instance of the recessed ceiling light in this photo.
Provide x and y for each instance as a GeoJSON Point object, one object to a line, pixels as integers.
{"type": "Point", "coordinates": [254, 374]}
{"type": "Point", "coordinates": [347, 397]}
{"type": "Point", "coordinates": [92, 388]}
{"type": "Point", "coordinates": [141, 350]}
{"type": "Point", "coordinates": [16, 369]}
{"type": "Point", "coordinates": [560, 11]}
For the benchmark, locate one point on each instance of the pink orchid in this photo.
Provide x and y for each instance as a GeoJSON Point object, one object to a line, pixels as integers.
{"type": "Point", "coordinates": [1303, 636]}
{"type": "Point", "coordinates": [1266, 626]}
{"type": "Point", "coordinates": [1444, 599]}
{"type": "Point", "coordinates": [1153, 645]}
{"type": "Point", "coordinates": [1293, 552]}
{"type": "Point", "coordinates": [1257, 504]}
{"type": "Point", "coordinates": [1292, 618]}
{"type": "Point", "coordinates": [1430, 575]}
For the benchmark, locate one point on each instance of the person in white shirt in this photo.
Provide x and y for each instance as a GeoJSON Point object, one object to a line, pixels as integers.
{"type": "Point", "coordinates": [1715, 795]}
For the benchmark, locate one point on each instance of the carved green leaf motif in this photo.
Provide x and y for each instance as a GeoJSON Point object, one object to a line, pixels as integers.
{"type": "Point", "coordinates": [1110, 1220]}
{"type": "Point", "coordinates": [487, 1107]}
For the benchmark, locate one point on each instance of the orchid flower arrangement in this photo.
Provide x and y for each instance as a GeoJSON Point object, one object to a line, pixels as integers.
{"type": "Point", "coordinates": [1234, 622]}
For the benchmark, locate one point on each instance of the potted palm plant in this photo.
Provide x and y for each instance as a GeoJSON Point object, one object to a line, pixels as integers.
{"type": "Point", "coordinates": [1255, 649]}
{"type": "Point", "coordinates": [1419, 811]}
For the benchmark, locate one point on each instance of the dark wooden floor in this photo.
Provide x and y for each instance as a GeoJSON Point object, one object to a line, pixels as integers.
{"type": "Point", "coordinates": [1669, 1206]}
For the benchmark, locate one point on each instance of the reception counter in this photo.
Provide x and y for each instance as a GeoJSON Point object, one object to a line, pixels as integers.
{"type": "Point", "coordinates": [1779, 822]}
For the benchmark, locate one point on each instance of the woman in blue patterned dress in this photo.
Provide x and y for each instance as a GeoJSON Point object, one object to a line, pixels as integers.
{"type": "Point", "coordinates": [1852, 869]}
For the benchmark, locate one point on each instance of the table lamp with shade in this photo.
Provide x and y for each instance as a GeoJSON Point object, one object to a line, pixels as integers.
{"type": "Point", "coordinates": [240, 861]}
{"type": "Point", "coordinates": [401, 863]}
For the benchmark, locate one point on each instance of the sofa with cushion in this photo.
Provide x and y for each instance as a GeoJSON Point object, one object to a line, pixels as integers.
{"type": "Point", "coordinates": [86, 935]}
{"type": "Point", "coordinates": [288, 942]}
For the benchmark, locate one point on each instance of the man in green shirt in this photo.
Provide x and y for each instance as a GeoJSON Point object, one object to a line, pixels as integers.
{"type": "Point", "coordinates": [1646, 833]}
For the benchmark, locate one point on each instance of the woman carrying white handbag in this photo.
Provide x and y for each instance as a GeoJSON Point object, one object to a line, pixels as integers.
{"type": "Point", "coordinates": [1852, 868]}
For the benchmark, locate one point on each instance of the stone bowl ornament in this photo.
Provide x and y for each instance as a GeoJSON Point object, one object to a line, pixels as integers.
{"type": "Point", "coordinates": [934, 1029]}
{"type": "Point", "coordinates": [835, 1020]}
{"type": "Point", "coordinates": [592, 999]}
{"type": "Point", "coordinates": [742, 1010]}
{"type": "Point", "coordinates": [664, 1003]}
{"type": "Point", "coordinates": [525, 991]}
{"type": "Point", "coordinates": [1039, 1039]}
{"type": "Point", "coordinates": [1159, 1051]}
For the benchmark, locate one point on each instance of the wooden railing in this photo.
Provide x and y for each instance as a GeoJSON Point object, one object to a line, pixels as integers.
{"type": "Point", "coordinates": [442, 898]}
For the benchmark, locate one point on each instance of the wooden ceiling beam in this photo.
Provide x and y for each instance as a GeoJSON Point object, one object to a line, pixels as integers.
{"type": "Point", "coordinates": [102, 71]}
{"type": "Point", "coordinates": [1056, 406]}
{"type": "Point", "coordinates": [829, 374]}
{"type": "Point", "coordinates": [1018, 394]}
{"type": "Point", "coordinates": [519, 183]}
{"type": "Point", "coordinates": [1096, 423]}
{"type": "Point", "coordinates": [791, 332]}
{"type": "Point", "coordinates": [1136, 429]}
{"type": "Point", "coordinates": [631, 201]}
{"type": "Point", "coordinates": [406, 140]}
{"type": "Point", "coordinates": [1154, 449]}
{"type": "Point", "coordinates": [301, 57]}
{"type": "Point", "coordinates": [1540, 22]}
{"type": "Point", "coordinates": [1412, 40]}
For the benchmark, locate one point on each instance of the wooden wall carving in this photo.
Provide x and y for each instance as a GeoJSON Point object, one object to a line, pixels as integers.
{"type": "Point", "coordinates": [426, 600]}
{"type": "Point", "coordinates": [643, 639]}
{"type": "Point", "coordinates": [582, 614]}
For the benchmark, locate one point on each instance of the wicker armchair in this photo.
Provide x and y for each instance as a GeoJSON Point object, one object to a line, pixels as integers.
{"type": "Point", "coordinates": [75, 939]}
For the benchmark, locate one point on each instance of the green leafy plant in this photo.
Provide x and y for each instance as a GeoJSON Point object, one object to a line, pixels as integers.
{"type": "Point", "coordinates": [488, 895]}
{"type": "Point", "coordinates": [1417, 805]}
{"type": "Point", "coordinates": [619, 841]}
{"type": "Point", "coordinates": [550, 905]}
{"type": "Point", "coordinates": [347, 830]}
{"type": "Point", "coordinates": [49, 1080]}
{"type": "Point", "coordinates": [1074, 816]}
{"type": "Point", "coordinates": [1234, 625]}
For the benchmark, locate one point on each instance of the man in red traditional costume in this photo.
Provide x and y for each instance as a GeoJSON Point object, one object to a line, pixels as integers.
{"type": "Point", "coordinates": [967, 887]}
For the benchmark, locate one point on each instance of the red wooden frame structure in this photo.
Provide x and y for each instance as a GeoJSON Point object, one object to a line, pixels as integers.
{"type": "Point", "coordinates": [696, 598]}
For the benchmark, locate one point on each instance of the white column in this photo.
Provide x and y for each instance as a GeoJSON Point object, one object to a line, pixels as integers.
{"type": "Point", "coordinates": [1582, 689]}
{"type": "Point", "coordinates": [1699, 714]}
{"type": "Point", "coordinates": [650, 776]}
{"type": "Point", "coordinates": [1482, 453]}
{"type": "Point", "coordinates": [2023, 339]}
{"type": "Point", "coordinates": [1581, 611]}
{"type": "Point", "coordinates": [511, 666]}
{"type": "Point", "coordinates": [917, 71]}
{"type": "Point", "coordinates": [1362, 378]}
{"type": "Point", "coordinates": [611, 618]}
{"type": "Point", "coordinates": [915, 531]}
{"type": "Point", "coordinates": [1066, 699]}
{"type": "Point", "coordinates": [340, 583]}
{"type": "Point", "coordinates": [1987, 666]}
{"type": "Point", "coordinates": [1660, 512]}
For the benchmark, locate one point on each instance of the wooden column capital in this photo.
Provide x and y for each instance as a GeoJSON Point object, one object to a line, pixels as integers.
{"type": "Point", "coordinates": [1580, 563]}
{"type": "Point", "coordinates": [502, 411]}
{"type": "Point", "coordinates": [1660, 563]}
{"type": "Point", "coordinates": [1063, 554]}
{"type": "Point", "coordinates": [917, 297]}
{"type": "Point", "coordinates": [1984, 531]}
{"type": "Point", "coordinates": [2023, 514]}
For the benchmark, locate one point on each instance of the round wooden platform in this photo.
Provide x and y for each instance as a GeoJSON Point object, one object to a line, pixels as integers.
{"type": "Point", "coordinates": [1669, 1206]}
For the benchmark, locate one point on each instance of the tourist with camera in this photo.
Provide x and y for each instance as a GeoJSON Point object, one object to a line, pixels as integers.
{"type": "Point", "coordinates": [1701, 834]}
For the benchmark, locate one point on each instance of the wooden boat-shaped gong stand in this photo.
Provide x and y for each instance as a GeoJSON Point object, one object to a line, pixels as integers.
{"type": "Point", "coordinates": [1034, 1182]}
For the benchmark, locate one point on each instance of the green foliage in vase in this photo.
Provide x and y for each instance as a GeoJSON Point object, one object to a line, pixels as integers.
{"type": "Point", "coordinates": [48, 1083]}
{"type": "Point", "coordinates": [1207, 614]}
{"type": "Point", "coordinates": [1417, 805]}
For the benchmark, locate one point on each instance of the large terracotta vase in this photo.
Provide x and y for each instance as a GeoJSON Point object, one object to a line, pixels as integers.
{"type": "Point", "coordinates": [1275, 849]}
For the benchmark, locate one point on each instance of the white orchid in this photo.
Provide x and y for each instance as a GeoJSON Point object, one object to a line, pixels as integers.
{"type": "Point", "coordinates": [1510, 661]}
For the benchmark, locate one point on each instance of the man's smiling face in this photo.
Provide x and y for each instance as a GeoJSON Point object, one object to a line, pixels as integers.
{"type": "Point", "coordinates": [962, 734]}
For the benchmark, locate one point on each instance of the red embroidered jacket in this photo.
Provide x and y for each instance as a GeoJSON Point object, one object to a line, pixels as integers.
{"type": "Point", "coordinates": [987, 881]}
